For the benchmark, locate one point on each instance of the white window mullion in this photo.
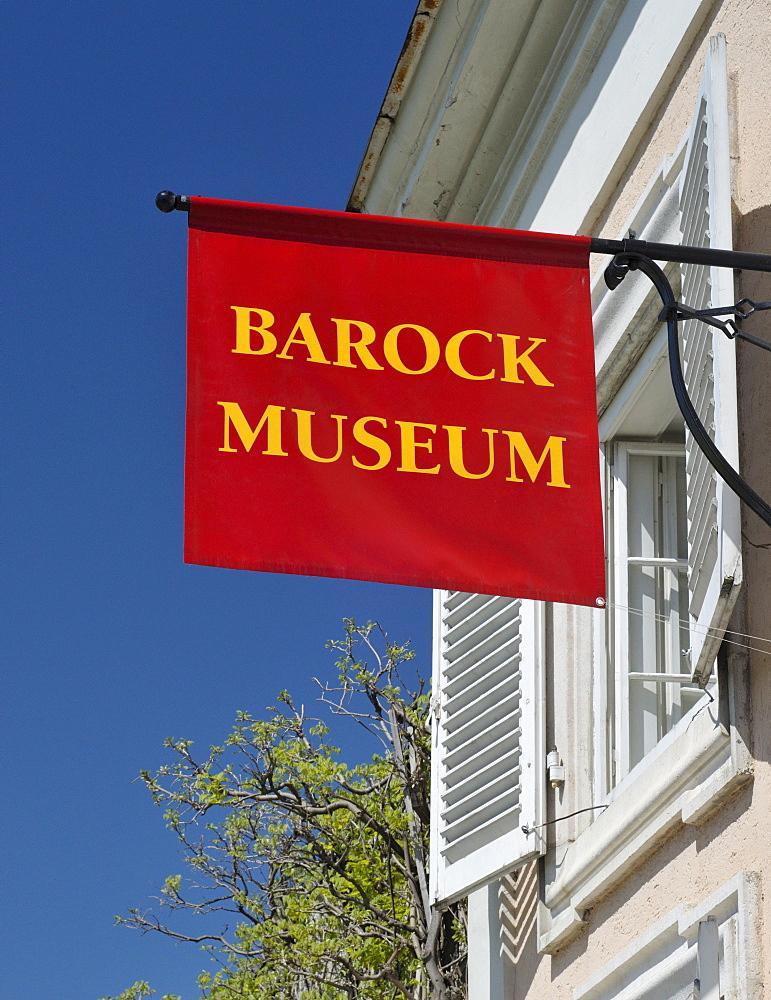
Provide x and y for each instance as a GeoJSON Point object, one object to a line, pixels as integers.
{"type": "Point", "coordinates": [621, 603]}
{"type": "Point", "coordinates": [672, 582]}
{"type": "Point", "coordinates": [603, 637]}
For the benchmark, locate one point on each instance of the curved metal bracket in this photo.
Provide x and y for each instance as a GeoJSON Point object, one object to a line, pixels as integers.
{"type": "Point", "coordinates": [615, 272]}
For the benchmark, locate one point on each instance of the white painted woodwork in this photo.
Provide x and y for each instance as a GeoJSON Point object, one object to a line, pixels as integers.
{"type": "Point", "coordinates": [487, 754]}
{"type": "Point", "coordinates": [714, 528]}
{"type": "Point", "coordinates": [708, 946]}
{"type": "Point", "coordinates": [649, 578]}
{"type": "Point", "coordinates": [485, 968]}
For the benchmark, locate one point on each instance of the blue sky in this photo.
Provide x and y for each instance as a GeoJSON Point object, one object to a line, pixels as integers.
{"type": "Point", "coordinates": [110, 643]}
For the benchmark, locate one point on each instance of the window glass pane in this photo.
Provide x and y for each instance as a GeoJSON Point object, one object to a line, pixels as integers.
{"type": "Point", "coordinates": [681, 499]}
{"type": "Point", "coordinates": [642, 490]}
{"type": "Point", "coordinates": [658, 597]}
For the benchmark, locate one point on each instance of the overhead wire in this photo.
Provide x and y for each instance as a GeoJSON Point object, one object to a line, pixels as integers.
{"type": "Point", "coordinates": [704, 630]}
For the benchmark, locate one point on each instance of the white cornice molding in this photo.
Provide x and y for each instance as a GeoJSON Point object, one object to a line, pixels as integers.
{"type": "Point", "coordinates": [589, 150]}
{"type": "Point", "coordinates": [523, 113]}
{"type": "Point", "coordinates": [452, 93]}
{"type": "Point", "coordinates": [556, 88]}
{"type": "Point", "coordinates": [682, 781]}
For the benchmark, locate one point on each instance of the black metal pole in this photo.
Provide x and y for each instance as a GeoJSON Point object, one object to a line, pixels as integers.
{"type": "Point", "coordinates": [684, 255]}
{"type": "Point", "coordinates": [167, 201]}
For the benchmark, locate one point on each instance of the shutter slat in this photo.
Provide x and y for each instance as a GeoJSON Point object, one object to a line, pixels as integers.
{"type": "Point", "coordinates": [700, 472]}
{"type": "Point", "coordinates": [461, 760]}
{"type": "Point", "coordinates": [497, 670]}
{"type": "Point", "coordinates": [454, 599]}
{"type": "Point", "coordinates": [704, 514]}
{"type": "Point", "coordinates": [485, 817]}
{"type": "Point", "coordinates": [479, 635]}
{"type": "Point", "coordinates": [489, 724]}
{"type": "Point", "coordinates": [486, 764]}
{"type": "Point", "coordinates": [474, 612]}
{"type": "Point", "coordinates": [501, 701]}
{"type": "Point", "coordinates": [478, 799]}
{"type": "Point", "coordinates": [465, 741]}
{"type": "Point", "coordinates": [490, 650]}
{"type": "Point", "coordinates": [501, 822]}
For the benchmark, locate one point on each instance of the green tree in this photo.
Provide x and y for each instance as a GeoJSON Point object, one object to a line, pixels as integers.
{"type": "Point", "coordinates": [316, 870]}
{"type": "Point", "coordinates": [137, 991]}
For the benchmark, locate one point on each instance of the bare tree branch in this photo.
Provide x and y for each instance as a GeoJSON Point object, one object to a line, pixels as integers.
{"type": "Point", "coordinates": [321, 865]}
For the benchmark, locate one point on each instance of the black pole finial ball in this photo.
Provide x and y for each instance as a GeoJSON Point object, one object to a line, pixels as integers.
{"type": "Point", "coordinates": [166, 201]}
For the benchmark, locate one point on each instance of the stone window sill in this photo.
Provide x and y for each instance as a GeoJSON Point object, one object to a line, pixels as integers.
{"type": "Point", "coordinates": [682, 781]}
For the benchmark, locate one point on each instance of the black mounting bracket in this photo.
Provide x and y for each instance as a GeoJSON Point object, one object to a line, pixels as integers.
{"type": "Point", "coordinates": [636, 255]}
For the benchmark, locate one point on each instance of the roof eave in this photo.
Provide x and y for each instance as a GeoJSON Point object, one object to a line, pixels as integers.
{"type": "Point", "coordinates": [412, 50]}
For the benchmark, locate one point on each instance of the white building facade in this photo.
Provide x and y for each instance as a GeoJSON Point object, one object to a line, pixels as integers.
{"type": "Point", "coordinates": [602, 788]}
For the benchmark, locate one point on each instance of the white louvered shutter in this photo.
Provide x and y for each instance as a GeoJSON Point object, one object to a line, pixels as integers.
{"type": "Point", "coordinates": [488, 758]}
{"type": "Point", "coordinates": [714, 555]}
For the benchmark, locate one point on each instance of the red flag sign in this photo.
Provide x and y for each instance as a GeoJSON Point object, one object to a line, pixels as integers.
{"type": "Point", "coordinates": [393, 400]}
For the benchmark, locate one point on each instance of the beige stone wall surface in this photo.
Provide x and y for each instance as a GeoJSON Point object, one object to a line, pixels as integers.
{"type": "Point", "coordinates": [697, 860]}
{"type": "Point", "coordinates": [440, 120]}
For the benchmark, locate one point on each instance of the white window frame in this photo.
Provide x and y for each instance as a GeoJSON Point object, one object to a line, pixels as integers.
{"type": "Point", "coordinates": [700, 174]}
{"type": "Point", "coordinates": [665, 679]}
{"type": "Point", "coordinates": [620, 423]}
